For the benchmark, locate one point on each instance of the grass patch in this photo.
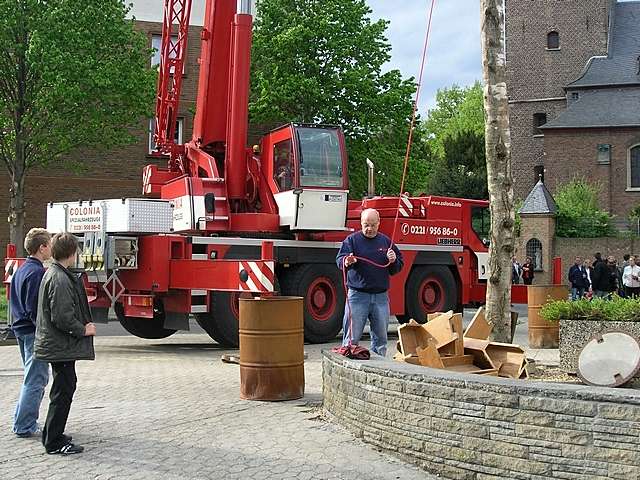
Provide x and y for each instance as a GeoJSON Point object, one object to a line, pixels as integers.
{"type": "Point", "coordinates": [615, 310]}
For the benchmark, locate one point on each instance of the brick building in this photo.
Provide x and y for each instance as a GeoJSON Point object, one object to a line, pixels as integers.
{"type": "Point", "coordinates": [574, 87]}
{"type": "Point", "coordinates": [115, 173]}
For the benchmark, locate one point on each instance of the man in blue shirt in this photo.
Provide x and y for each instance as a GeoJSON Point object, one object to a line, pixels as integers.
{"type": "Point", "coordinates": [367, 283]}
{"type": "Point", "coordinates": [24, 288]}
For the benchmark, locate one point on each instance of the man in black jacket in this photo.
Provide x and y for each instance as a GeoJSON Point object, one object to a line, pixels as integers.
{"type": "Point", "coordinates": [64, 334]}
{"type": "Point", "coordinates": [578, 278]}
{"type": "Point", "coordinates": [603, 280]}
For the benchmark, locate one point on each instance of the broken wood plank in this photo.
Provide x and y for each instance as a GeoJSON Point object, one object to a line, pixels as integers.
{"type": "Point", "coordinates": [477, 348]}
{"type": "Point", "coordinates": [456, 325]}
{"type": "Point", "coordinates": [479, 327]}
{"type": "Point", "coordinates": [459, 360]}
{"type": "Point", "coordinates": [412, 335]}
{"type": "Point", "coordinates": [441, 329]}
{"type": "Point", "coordinates": [429, 356]}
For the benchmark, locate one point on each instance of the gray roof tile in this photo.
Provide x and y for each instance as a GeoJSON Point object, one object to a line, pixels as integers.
{"type": "Point", "coordinates": [621, 65]}
{"type": "Point", "coordinates": [539, 201]}
{"type": "Point", "coordinates": [609, 107]}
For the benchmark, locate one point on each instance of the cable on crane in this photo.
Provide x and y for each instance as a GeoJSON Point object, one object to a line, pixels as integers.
{"type": "Point", "coordinates": [413, 120]}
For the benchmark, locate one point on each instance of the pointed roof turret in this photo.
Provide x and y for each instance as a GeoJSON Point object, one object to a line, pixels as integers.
{"type": "Point", "coordinates": [539, 201]}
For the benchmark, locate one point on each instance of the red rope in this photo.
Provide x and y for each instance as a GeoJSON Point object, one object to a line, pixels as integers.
{"type": "Point", "coordinates": [413, 119]}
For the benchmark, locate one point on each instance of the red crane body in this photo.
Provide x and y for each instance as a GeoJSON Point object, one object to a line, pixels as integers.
{"type": "Point", "coordinates": [222, 220]}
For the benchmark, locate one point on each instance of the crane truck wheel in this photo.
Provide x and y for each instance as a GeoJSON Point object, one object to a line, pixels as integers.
{"type": "Point", "coordinates": [222, 321]}
{"type": "Point", "coordinates": [430, 288]}
{"type": "Point", "coordinates": [321, 287]}
{"type": "Point", "coordinates": [149, 328]}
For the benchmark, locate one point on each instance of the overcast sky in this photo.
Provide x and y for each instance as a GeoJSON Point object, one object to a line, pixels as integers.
{"type": "Point", "coordinates": [454, 45]}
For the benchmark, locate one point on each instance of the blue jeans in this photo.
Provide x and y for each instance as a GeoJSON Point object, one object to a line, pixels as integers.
{"type": "Point", "coordinates": [372, 306]}
{"type": "Point", "coordinates": [577, 293]}
{"type": "Point", "coordinates": [36, 377]}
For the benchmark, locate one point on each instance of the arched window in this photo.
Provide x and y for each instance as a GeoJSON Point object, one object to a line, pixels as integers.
{"type": "Point", "coordinates": [633, 168]}
{"type": "Point", "coordinates": [534, 250]}
{"type": "Point", "coordinates": [553, 40]}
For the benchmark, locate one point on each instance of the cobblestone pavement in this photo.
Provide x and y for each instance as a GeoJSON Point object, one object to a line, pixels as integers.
{"type": "Point", "coordinates": [170, 409]}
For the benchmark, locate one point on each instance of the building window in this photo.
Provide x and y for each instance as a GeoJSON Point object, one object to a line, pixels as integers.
{"type": "Point", "coordinates": [177, 137]}
{"type": "Point", "coordinates": [575, 96]}
{"type": "Point", "coordinates": [604, 153]}
{"type": "Point", "coordinates": [538, 172]}
{"type": "Point", "coordinates": [633, 168]}
{"type": "Point", "coordinates": [553, 41]}
{"type": "Point", "coordinates": [156, 45]}
{"type": "Point", "coordinates": [534, 250]}
{"type": "Point", "coordinates": [539, 119]}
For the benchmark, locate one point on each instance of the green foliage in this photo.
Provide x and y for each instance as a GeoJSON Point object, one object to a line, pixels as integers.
{"type": "Point", "coordinates": [3, 304]}
{"type": "Point", "coordinates": [74, 74]}
{"type": "Point", "coordinates": [617, 309]}
{"type": "Point", "coordinates": [455, 134]}
{"type": "Point", "coordinates": [578, 211]}
{"type": "Point", "coordinates": [321, 62]}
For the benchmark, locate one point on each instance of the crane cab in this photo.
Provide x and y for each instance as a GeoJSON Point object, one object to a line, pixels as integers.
{"type": "Point", "coordinates": [306, 169]}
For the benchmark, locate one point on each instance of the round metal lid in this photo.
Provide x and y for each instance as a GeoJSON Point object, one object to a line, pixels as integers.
{"type": "Point", "coordinates": [609, 360]}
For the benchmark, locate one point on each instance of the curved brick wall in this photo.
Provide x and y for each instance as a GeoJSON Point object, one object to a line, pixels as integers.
{"type": "Point", "coordinates": [463, 426]}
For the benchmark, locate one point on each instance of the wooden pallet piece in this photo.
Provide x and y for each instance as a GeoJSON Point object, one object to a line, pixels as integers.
{"type": "Point", "coordinates": [508, 358]}
{"type": "Point", "coordinates": [477, 348]}
{"type": "Point", "coordinates": [412, 335]}
{"type": "Point", "coordinates": [479, 327]}
{"type": "Point", "coordinates": [429, 356]}
{"type": "Point", "coordinates": [456, 325]}
{"type": "Point", "coordinates": [441, 329]}
{"type": "Point", "coordinates": [459, 360]}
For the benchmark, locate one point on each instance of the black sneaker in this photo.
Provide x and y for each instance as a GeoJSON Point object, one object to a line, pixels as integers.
{"type": "Point", "coordinates": [68, 449]}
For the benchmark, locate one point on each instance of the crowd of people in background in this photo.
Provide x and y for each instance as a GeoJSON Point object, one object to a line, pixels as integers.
{"type": "Point", "coordinates": [600, 277]}
{"type": "Point", "coordinates": [604, 277]}
{"type": "Point", "coordinates": [524, 272]}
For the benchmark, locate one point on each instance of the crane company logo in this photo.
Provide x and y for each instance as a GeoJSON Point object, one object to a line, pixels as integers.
{"type": "Point", "coordinates": [405, 229]}
{"type": "Point", "coordinates": [84, 218]}
{"type": "Point", "coordinates": [446, 204]}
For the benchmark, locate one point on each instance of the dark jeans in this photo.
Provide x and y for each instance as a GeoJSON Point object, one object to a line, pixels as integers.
{"type": "Point", "coordinates": [527, 281]}
{"type": "Point", "coordinates": [61, 396]}
{"type": "Point", "coordinates": [632, 291]}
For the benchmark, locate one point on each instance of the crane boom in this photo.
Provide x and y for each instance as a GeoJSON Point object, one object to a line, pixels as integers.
{"type": "Point", "coordinates": [172, 56]}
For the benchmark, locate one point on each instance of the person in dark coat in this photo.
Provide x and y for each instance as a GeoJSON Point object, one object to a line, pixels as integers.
{"type": "Point", "coordinates": [602, 278]}
{"type": "Point", "coordinates": [527, 271]}
{"type": "Point", "coordinates": [64, 334]}
{"type": "Point", "coordinates": [578, 278]}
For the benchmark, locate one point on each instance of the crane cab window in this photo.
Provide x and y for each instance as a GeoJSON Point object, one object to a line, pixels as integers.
{"type": "Point", "coordinates": [481, 223]}
{"type": "Point", "coordinates": [282, 165]}
{"type": "Point", "coordinates": [320, 157]}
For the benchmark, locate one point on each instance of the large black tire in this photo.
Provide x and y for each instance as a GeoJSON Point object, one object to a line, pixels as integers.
{"type": "Point", "coordinates": [149, 328]}
{"type": "Point", "coordinates": [323, 292]}
{"type": "Point", "coordinates": [222, 323]}
{"type": "Point", "coordinates": [429, 289]}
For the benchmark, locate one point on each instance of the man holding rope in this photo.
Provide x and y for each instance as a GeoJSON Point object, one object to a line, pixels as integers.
{"type": "Point", "coordinates": [368, 257]}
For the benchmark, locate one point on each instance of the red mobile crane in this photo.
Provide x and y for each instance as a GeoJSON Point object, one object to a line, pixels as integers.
{"type": "Point", "coordinates": [188, 246]}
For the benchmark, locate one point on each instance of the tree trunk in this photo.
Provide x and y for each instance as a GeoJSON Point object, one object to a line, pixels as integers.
{"type": "Point", "coordinates": [16, 206]}
{"type": "Point", "coordinates": [499, 178]}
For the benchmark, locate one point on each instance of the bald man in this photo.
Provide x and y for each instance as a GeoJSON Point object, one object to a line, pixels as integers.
{"type": "Point", "coordinates": [368, 284]}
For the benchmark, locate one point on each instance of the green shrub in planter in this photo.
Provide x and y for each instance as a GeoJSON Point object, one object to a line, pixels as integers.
{"type": "Point", "coordinates": [616, 310]}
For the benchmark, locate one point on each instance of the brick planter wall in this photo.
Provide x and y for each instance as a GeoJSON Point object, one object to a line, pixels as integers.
{"type": "Point", "coordinates": [575, 334]}
{"type": "Point", "coordinates": [463, 426]}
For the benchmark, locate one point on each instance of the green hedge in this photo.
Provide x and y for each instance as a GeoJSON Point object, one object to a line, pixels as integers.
{"type": "Point", "coordinates": [616, 310]}
{"type": "Point", "coordinates": [3, 304]}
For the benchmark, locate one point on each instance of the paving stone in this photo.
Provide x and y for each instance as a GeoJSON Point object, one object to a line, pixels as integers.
{"type": "Point", "coordinates": [170, 409]}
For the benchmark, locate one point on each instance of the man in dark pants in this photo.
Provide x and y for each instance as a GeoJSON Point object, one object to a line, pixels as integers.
{"type": "Point", "coordinates": [24, 288]}
{"type": "Point", "coordinates": [64, 334]}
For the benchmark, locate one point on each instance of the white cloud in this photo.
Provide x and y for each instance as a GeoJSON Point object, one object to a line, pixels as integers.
{"type": "Point", "coordinates": [454, 47]}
